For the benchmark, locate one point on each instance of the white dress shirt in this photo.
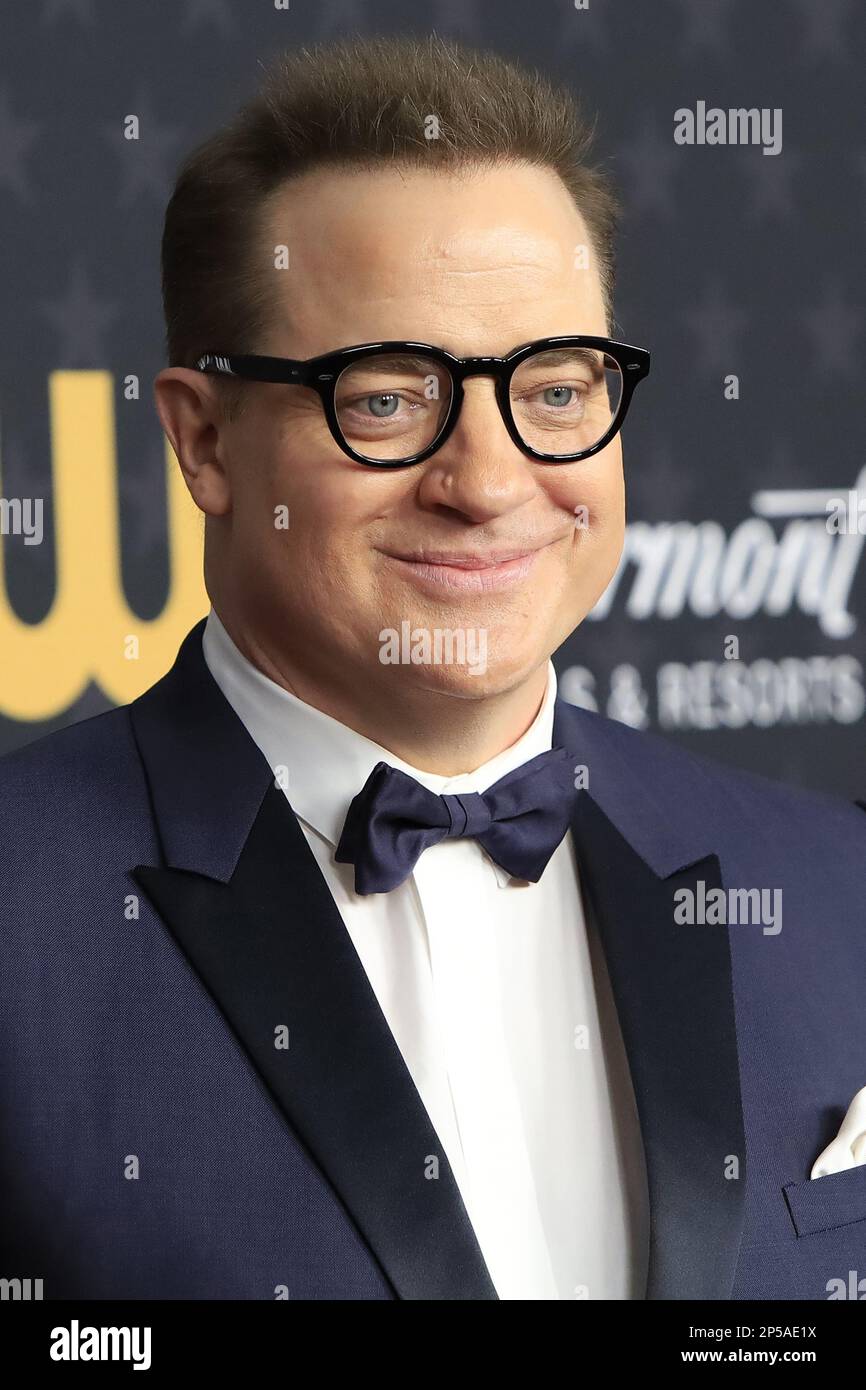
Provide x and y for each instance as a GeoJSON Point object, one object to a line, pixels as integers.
{"type": "Point", "coordinates": [498, 999]}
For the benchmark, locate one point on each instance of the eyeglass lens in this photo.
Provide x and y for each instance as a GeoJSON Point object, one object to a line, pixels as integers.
{"type": "Point", "coordinates": [562, 400]}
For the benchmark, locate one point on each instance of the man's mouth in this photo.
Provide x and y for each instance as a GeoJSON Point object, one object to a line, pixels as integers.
{"type": "Point", "coordinates": [467, 571]}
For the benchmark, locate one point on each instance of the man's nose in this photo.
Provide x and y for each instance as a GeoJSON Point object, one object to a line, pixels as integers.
{"type": "Point", "coordinates": [479, 471]}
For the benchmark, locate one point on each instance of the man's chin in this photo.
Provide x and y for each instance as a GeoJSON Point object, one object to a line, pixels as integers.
{"type": "Point", "coordinates": [478, 678]}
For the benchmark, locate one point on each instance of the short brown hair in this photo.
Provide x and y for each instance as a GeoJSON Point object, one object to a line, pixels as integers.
{"type": "Point", "coordinates": [357, 103]}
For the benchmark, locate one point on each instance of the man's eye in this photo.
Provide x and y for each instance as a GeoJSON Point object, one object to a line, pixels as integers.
{"type": "Point", "coordinates": [382, 405]}
{"type": "Point", "coordinates": [557, 394]}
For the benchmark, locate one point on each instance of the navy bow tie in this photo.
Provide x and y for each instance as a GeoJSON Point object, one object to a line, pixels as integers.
{"type": "Point", "coordinates": [519, 821]}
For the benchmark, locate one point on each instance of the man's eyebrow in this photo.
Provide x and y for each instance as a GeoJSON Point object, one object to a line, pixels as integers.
{"type": "Point", "coordinates": [399, 361]}
{"type": "Point", "coordinates": [552, 357]}
{"type": "Point", "coordinates": [589, 357]}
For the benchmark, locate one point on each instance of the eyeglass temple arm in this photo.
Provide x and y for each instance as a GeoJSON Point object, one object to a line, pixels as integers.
{"type": "Point", "coordinates": [253, 368]}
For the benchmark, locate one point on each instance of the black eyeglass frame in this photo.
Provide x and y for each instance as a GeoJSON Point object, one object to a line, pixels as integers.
{"type": "Point", "coordinates": [322, 374]}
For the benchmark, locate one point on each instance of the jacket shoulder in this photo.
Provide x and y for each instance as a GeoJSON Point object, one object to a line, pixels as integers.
{"type": "Point", "coordinates": [678, 775]}
{"type": "Point", "coordinates": [71, 772]}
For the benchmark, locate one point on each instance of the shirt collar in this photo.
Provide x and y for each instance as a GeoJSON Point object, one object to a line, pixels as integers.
{"type": "Point", "coordinates": [324, 764]}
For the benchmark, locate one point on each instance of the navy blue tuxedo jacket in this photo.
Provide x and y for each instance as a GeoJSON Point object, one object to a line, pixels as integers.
{"type": "Point", "coordinates": [161, 916]}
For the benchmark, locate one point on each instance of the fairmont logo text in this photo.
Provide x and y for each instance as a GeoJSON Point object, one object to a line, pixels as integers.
{"type": "Point", "coordinates": [673, 567]}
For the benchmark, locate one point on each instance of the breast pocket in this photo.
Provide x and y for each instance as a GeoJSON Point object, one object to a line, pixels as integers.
{"type": "Point", "coordinates": [821, 1204]}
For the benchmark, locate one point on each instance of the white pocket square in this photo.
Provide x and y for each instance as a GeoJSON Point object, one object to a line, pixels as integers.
{"type": "Point", "coordinates": [848, 1149]}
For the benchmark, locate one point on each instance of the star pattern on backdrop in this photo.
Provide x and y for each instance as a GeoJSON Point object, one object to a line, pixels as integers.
{"type": "Point", "coordinates": [706, 26]}
{"type": "Point", "coordinates": [771, 185]}
{"type": "Point", "coordinates": [650, 161]}
{"type": "Point", "coordinates": [213, 14]}
{"type": "Point", "coordinates": [18, 135]}
{"type": "Point", "coordinates": [81, 318]}
{"type": "Point", "coordinates": [147, 164]}
{"type": "Point", "coordinates": [824, 29]}
{"type": "Point", "coordinates": [141, 488]}
{"type": "Point", "coordinates": [717, 324]}
{"type": "Point", "coordinates": [834, 326]}
{"type": "Point", "coordinates": [662, 482]}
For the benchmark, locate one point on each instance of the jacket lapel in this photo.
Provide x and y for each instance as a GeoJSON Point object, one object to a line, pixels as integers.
{"type": "Point", "coordinates": [639, 838]}
{"type": "Point", "coordinates": [243, 896]}
{"type": "Point", "coordinates": [241, 892]}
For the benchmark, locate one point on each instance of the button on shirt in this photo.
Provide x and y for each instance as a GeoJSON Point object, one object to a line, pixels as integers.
{"type": "Point", "coordinates": [497, 997]}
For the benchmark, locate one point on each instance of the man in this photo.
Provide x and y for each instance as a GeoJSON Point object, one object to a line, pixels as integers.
{"type": "Point", "coordinates": [348, 962]}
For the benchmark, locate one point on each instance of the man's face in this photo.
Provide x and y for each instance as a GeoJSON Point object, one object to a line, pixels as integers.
{"type": "Point", "coordinates": [477, 265]}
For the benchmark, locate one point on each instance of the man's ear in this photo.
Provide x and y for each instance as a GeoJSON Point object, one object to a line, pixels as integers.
{"type": "Point", "coordinates": [190, 410]}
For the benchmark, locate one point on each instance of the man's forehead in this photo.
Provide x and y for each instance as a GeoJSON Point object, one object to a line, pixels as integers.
{"type": "Point", "coordinates": [452, 260]}
{"type": "Point", "coordinates": [494, 265]}
{"type": "Point", "coordinates": [492, 216]}
{"type": "Point", "coordinates": [497, 248]}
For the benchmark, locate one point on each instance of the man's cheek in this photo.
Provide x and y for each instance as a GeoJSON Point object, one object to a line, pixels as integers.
{"type": "Point", "coordinates": [606, 518]}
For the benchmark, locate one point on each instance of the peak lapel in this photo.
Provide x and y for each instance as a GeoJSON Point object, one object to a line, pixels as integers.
{"type": "Point", "coordinates": [243, 896]}
{"type": "Point", "coordinates": [673, 991]}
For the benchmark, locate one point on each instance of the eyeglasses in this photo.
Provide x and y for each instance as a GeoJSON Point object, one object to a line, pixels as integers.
{"type": "Point", "coordinates": [392, 404]}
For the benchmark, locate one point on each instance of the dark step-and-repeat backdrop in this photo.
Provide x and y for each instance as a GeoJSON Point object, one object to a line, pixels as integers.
{"type": "Point", "coordinates": [736, 134]}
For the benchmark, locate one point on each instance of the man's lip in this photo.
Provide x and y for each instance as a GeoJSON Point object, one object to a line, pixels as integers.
{"type": "Point", "coordinates": [465, 560]}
